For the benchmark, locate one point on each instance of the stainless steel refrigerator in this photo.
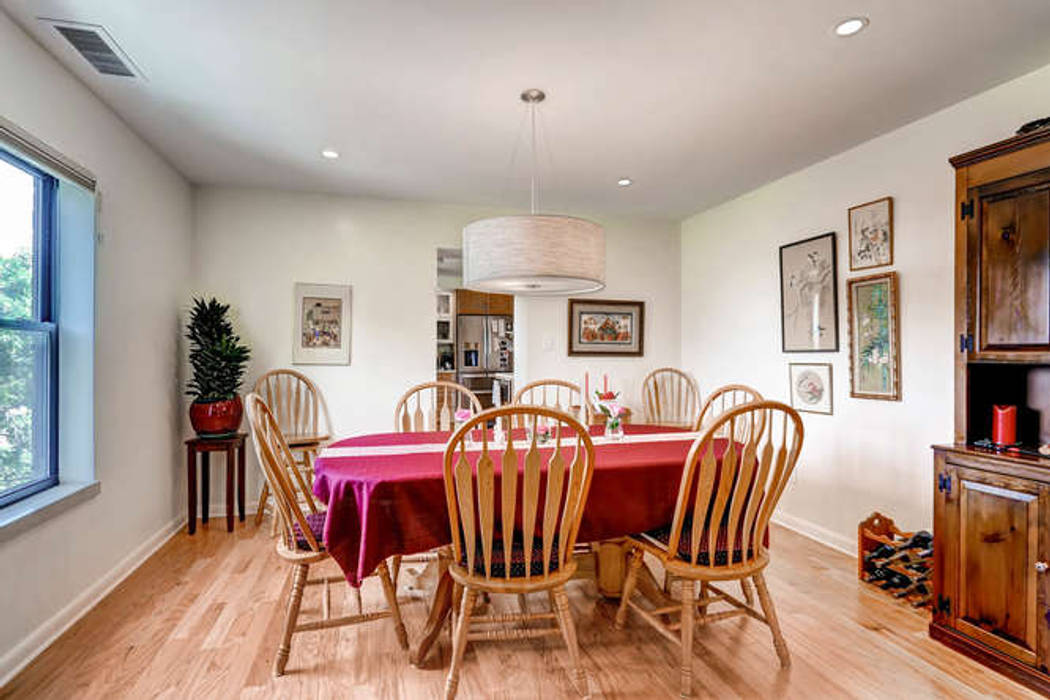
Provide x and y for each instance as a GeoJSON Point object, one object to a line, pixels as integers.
{"type": "Point", "coordinates": [485, 356]}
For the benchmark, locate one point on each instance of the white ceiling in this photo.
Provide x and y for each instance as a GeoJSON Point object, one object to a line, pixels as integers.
{"type": "Point", "coordinates": [695, 100]}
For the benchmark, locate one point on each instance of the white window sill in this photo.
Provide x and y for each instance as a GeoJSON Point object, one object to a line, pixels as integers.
{"type": "Point", "coordinates": [30, 512]}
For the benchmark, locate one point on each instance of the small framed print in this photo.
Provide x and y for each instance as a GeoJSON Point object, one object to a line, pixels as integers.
{"type": "Point", "coordinates": [322, 324]}
{"type": "Point", "coordinates": [809, 303]}
{"type": "Point", "coordinates": [810, 386]}
{"type": "Point", "coordinates": [604, 327]}
{"type": "Point", "coordinates": [874, 337]}
{"type": "Point", "coordinates": [871, 234]}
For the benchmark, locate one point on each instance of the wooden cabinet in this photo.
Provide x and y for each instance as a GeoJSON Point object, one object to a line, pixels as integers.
{"type": "Point", "coordinates": [469, 302]}
{"type": "Point", "coordinates": [992, 507]}
{"type": "Point", "coordinates": [501, 304]}
{"type": "Point", "coordinates": [1008, 232]}
{"type": "Point", "coordinates": [1002, 272]}
{"type": "Point", "coordinates": [990, 559]}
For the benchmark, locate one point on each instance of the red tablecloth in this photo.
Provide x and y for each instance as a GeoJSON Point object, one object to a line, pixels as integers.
{"type": "Point", "coordinates": [381, 505]}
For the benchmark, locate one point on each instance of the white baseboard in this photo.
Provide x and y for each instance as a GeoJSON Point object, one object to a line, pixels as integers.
{"type": "Point", "coordinates": [41, 638]}
{"type": "Point", "coordinates": [815, 532]}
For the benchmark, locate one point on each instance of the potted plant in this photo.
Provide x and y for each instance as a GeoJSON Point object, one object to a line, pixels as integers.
{"type": "Point", "coordinates": [218, 359]}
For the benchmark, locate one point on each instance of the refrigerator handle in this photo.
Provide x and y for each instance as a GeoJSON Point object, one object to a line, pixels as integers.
{"type": "Point", "coordinates": [486, 336]}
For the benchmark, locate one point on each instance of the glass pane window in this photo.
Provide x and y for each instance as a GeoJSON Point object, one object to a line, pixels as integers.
{"type": "Point", "coordinates": [24, 408]}
{"type": "Point", "coordinates": [28, 333]}
{"type": "Point", "coordinates": [18, 198]}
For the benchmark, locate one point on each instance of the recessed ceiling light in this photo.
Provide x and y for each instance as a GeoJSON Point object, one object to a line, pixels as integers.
{"type": "Point", "coordinates": [849, 27]}
{"type": "Point", "coordinates": [624, 182]}
{"type": "Point", "coordinates": [330, 154]}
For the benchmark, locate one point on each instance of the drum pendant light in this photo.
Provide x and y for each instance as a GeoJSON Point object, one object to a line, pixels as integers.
{"type": "Point", "coordinates": [534, 254]}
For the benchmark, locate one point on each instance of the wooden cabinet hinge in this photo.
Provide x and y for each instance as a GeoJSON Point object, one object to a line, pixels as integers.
{"type": "Point", "coordinates": [944, 483]}
{"type": "Point", "coordinates": [944, 605]}
{"type": "Point", "coordinates": [966, 342]}
{"type": "Point", "coordinates": [966, 210]}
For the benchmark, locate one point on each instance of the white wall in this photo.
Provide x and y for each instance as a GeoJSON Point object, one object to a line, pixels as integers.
{"type": "Point", "coordinates": [251, 246]}
{"type": "Point", "coordinates": [49, 573]}
{"type": "Point", "coordinates": [870, 455]}
{"type": "Point", "coordinates": [641, 264]}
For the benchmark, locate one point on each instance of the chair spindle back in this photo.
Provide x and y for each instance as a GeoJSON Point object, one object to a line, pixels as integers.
{"type": "Point", "coordinates": [671, 397]}
{"type": "Point", "coordinates": [432, 406]}
{"type": "Point", "coordinates": [480, 500]}
{"type": "Point", "coordinates": [736, 496]}
{"type": "Point", "coordinates": [724, 399]}
{"type": "Point", "coordinates": [286, 482]}
{"type": "Point", "coordinates": [295, 402]}
{"type": "Point", "coordinates": [553, 393]}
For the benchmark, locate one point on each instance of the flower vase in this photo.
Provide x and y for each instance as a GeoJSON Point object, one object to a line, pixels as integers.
{"type": "Point", "coordinates": [614, 428]}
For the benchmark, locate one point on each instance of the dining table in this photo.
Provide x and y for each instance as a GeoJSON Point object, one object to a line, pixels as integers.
{"type": "Point", "coordinates": [385, 496]}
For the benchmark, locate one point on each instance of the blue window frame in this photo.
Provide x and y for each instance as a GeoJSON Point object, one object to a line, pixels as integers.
{"type": "Point", "coordinates": [28, 330]}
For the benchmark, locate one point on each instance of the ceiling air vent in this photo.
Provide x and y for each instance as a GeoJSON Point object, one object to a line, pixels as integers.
{"type": "Point", "coordinates": [97, 47]}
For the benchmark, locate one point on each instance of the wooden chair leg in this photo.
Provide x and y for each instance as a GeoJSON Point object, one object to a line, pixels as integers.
{"type": "Point", "coordinates": [771, 617]}
{"type": "Point", "coordinates": [633, 567]}
{"type": "Point", "coordinates": [568, 631]}
{"type": "Point", "coordinates": [749, 594]}
{"type": "Point", "coordinates": [264, 496]}
{"type": "Point", "coordinates": [688, 592]}
{"type": "Point", "coordinates": [703, 607]}
{"type": "Point", "coordinates": [459, 641]}
{"type": "Point", "coordinates": [295, 599]}
{"type": "Point", "coordinates": [395, 566]}
{"type": "Point", "coordinates": [391, 601]}
{"type": "Point", "coordinates": [523, 604]}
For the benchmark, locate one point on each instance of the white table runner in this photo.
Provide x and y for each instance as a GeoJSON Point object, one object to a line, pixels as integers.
{"type": "Point", "coordinates": [439, 447]}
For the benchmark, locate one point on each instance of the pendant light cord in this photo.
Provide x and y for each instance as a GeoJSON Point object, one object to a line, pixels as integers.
{"type": "Point", "coordinates": [532, 117]}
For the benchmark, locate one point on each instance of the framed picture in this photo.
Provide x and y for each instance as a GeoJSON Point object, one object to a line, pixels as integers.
{"type": "Point", "coordinates": [606, 327]}
{"type": "Point", "coordinates": [809, 306]}
{"type": "Point", "coordinates": [322, 324]}
{"type": "Point", "coordinates": [810, 387]}
{"type": "Point", "coordinates": [874, 337]}
{"type": "Point", "coordinates": [871, 234]}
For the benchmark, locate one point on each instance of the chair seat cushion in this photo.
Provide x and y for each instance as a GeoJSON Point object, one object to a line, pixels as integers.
{"type": "Point", "coordinates": [517, 559]}
{"type": "Point", "coordinates": [314, 521]}
{"type": "Point", "coordinates": [662, 536]}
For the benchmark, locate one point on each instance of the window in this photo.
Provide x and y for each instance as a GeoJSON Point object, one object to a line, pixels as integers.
{"type": "Point", "coordinates": [28, 332]}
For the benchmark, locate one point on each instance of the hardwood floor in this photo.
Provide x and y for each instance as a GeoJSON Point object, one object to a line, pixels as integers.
{"type": "Point", "coordinates": [202, 619]}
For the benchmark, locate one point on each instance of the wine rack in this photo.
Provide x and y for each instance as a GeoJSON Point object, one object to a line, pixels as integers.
{"type": "Point", "coordinates": [898, 562]}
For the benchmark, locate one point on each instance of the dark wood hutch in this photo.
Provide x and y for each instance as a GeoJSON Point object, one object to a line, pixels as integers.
{"type": "Point", "coordinates": [992, 507]}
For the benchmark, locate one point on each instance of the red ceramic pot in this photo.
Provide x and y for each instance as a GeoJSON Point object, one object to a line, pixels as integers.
{"type": "Point", "coordinates": [214, 418]}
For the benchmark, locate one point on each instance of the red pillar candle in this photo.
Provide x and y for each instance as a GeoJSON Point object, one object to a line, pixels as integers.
{"type": "Point", "coordinates": [1004, 424]}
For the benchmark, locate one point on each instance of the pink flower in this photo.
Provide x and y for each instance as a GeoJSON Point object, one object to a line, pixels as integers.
{"type": "Point", "coordinates": [463, 415]}
{"type": "Point", "coordinates": [614, 409]}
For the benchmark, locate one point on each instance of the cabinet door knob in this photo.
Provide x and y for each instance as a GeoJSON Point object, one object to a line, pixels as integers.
{"type": "Point", "coordinates": [1041, 567]}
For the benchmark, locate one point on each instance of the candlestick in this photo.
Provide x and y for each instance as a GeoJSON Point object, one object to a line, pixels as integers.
{"type": "Point", "coordinates": [605, 383]}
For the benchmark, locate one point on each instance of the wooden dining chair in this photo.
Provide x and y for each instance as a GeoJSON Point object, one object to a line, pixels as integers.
{"type": "Point", "coordinates": [725, 398]}
{"type": "Point", "coordinates": [670, 397]}
{"type": "Point", "coordinates": [513, 531]}
{"type": "Point", "coordinates": [721, 400]}
{"type": "Point", "coordinates": [301, 412]}
{"type": "Point", "coordinates": [557, 394]}
{"type": "Point", "coordinates": [301, 541]}
{"type": "Point", "coordinates": [720, 527]}
{"type": "Point", "coordinates": [432, 406]}
{"type": "Point", "coordinates": [429, 406]}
